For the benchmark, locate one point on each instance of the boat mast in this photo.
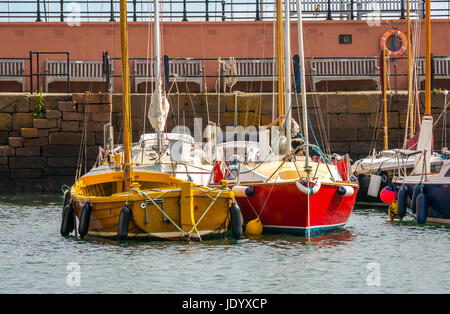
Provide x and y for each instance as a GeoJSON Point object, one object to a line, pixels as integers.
{"type": "Point", "coordinates": [280, 102]}
{"type": "Point", "coordinates": [428, 59]}
{"type": "Point", "coordinates": [410, 75]}
{"type": "Point", "coordinates": [386, 142]}
{"type": "Point", "coordinates": [287, 65]}
{"type": "Point", "coordinates": [303, 82]}
{"type": "Point", "coordinates": [157, 35]}
{"type": "Point", "coordinates": [126, 95]}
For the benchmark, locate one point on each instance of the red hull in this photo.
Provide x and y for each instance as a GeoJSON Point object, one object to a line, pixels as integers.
{"type": "Point", "coordinates": [283, 208]}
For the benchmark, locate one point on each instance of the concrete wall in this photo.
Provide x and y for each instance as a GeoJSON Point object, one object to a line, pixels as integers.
{"type": "Point", "coordinates": [40, 155]}
{"type": "Point", "coordinates": [208, 40]}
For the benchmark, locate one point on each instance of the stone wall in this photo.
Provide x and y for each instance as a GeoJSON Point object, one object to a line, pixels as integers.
{"type": "Point", "coordinates": [41, 155]}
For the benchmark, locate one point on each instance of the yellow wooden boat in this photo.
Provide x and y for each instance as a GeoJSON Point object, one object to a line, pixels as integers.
{"type": "Point", "coordinates": [157, 206]}
{"type": "Point", "coordinates": [119, 199]}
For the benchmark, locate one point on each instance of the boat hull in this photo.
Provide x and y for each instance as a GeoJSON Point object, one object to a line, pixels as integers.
{"type": "Point", "coordinates": [282, 208]}
{"type": "Point", "coordinates": [167, 209]}
{"type": "Point", "coordinates": [438, 200]}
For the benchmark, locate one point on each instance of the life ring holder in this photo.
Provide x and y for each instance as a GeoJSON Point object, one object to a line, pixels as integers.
{"type": "Point", "coordinates": [396, 33]}
{"type": "Point", "coordinates": [308, 190]}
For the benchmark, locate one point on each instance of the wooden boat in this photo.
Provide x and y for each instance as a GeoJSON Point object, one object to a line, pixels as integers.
{"type": "Point", "coordinates": [160, 206]}
{"type": "Point", "coordinates": [120, 199]}
{"type": "Point", "coordinates": [287, 191]}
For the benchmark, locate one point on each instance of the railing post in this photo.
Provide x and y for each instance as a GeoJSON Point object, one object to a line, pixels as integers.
{"type": "Point", "coordinates": [207, 10]}
{"type": "Point", "coordinates": [68, 72]}
{"type": "Point", "coordinates": [223, 10]}
{"type": "Point", "coordinates": [432, 71]}
{"type": "Point", "coordinates": [166, 73]}
{"type": "Point", "coordinates": [61, 2]}
{"type": "Point", "coordinates": [31, 72]}
{"type": "Point", "coordinates": [111, 12]}
{"type": "Point", "coordinates": [352, 17]}
{"type": "Point", "coordinates": [184, 11]}
{"type": "Point", "coordinates": [329, 10]}
{"type": "Point", "coordinates": [258, 18]}
{"type": "Point", "coordinates": [134, 11]}
{"type": "Point", "coordinates": [38, 17]}
{"type": "Point", "coordinates": [402, 9]}
{"type": "Point", "coordinates": [37, 72]}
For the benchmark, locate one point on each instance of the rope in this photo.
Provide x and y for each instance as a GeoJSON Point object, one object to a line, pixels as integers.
{"type": "Point", "coordinates": [185, 234]}
{"type": "Point", "coordinates": [230, 73]}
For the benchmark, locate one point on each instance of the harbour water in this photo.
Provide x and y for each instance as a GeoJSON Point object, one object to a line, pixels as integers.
{"type": "Point", "coordinates": [371, 255]}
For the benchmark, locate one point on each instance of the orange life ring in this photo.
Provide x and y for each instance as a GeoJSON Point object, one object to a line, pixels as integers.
{"type": "Point", "coordinates": [401, 36]}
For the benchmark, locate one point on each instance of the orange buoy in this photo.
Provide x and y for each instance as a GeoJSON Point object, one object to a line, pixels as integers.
{"type": "Point", "coordinates": [398, 34]}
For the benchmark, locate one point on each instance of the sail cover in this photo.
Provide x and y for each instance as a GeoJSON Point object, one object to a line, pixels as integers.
{"type": "Point", "coordinates": [159, 109]}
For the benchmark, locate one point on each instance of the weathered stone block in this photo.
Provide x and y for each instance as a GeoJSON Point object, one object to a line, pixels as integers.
{"type": "Point", "coordinates": [61, 150]}
{"type": "Point", "coordinates": [76, 116]}
{"type": "Point", "coordinates": [62, 162]}
{"type": "Point", "coordinates": [360, 148]}
{"type": "Point", "coordinates": [67, 106]}
{"type": "Point", "coordinates": [70, 126]}
{"type": "Point", "coordinates": [28, 151]}
{"type": "Point", "coordinates": [29, 132]}
{"type": "Point", "coordinates": [14, 103]}
{"type": "Point", "coordinates": [53, 114]}
{"type": "Point", "coordinates": [6, 150]}
{"type": "Point", "coordinates": [40, 141]}
{"type": "Point", "coordinates": [352, 120]}
{"type": "Point", "coordinates": [69, 138]}
{"type": "Point", "coordinates": [5, 121]}
{"type": "Point", "coordinates": [3, 160]}
{"type": "Point", "coordinates": [361, 104]}
{"type": "Point", "coordinates": [97, 108]}
{"type": "Point", "coordinates": [26, 173]}
{"type": "Point", "coordinates": [27, 162]}
{"type": "Point", "coordinates": [344, 135]}
{"type": "Point", "coordinates": [16, 141]}
{"type": "Point", "coordinates": [43, 132]}
{"type": "Point", "coordinates": [56, 171]}
{"type": "Point", "coordinates": [337, 103]}
{"type": "Point", "coordinates": [4, 135]}
{"type": "Point", "coordinates": [54, 183]}
{"type": "Point", "coordinates": [22, 120]}
{"type": "Point", "coordinates": [45, 123]}
{"type": "Point", "coordinates": [91, 98]}
{"type": "Point", "coordinates": [101, 116]}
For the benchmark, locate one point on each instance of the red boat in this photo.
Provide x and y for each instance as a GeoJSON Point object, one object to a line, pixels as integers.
{"type": "Point", "coordinates": [282, 208]}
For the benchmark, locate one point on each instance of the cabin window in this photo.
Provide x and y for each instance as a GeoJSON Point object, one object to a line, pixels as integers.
{"type": "Point", "coordinates": [345, 39]}
{"type": "Point", "coordinates": [448, 173]}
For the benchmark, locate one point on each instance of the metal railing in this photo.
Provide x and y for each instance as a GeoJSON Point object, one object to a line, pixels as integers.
{"type": "Point", "coordinates": [335, 68]}
{"type": "Point", "coordinates": [212, 10]}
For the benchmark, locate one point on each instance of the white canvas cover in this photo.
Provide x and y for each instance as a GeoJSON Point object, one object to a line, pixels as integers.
{"type": "Point", "coordinates": [159, 109]}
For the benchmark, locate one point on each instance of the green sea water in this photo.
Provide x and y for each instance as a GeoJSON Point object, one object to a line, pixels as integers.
{"type": "Point", "coordinates": [371, 255]}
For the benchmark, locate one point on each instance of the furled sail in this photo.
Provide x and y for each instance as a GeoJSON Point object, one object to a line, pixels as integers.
{"type": "Point", "coordinates": [159, 109]}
